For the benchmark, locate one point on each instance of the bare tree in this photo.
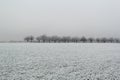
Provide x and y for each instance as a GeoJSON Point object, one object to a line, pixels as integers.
{"type": "Point", "coordinates": [39, 39]}
{"type": "Point", "coordinates": [29, 39]}
{"type": "Point", "coordinates": [90, 40]}
{"type": "Point", "coordinates": [44, 38]}
{"type": "Point", "coordinates": [55, 39]}
{"type": "Point", "coordinates": [98, 40]}
{"type": "Point", "coordinates": [117, 40]}
{"type": "Point", "coordinates": [104, 40]}
{"type": "Point", "coordinates": [111, 40]}
{"type": "Point", "coordinates": [83, 39]}
{"type": "Point", "coordinates": [75, 39]}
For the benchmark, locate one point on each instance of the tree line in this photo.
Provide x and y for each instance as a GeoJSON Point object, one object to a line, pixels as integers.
{"type": "Point", "coordinates": [68, 39]}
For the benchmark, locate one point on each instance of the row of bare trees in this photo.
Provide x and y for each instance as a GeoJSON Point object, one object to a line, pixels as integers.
{"type": "Point", "coordinates": [67, 39]}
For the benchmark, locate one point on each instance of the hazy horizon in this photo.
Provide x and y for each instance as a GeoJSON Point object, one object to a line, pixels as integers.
{"type": "Point", "coordinates": [90, 18]}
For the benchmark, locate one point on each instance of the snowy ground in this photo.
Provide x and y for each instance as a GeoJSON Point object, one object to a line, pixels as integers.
{"type": "Point", "coordinates": [59, 61]}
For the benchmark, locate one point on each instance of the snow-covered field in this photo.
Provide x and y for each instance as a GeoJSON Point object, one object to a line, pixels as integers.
{"type": "Point", "coordinates": [59, 61]}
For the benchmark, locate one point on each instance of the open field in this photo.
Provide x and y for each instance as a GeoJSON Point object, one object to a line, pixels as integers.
{"type": "Point", "coordinates": [59, 61]}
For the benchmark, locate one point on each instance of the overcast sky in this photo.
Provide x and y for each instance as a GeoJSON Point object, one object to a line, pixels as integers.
{"type": "Point", "coordinates": [90, 18]}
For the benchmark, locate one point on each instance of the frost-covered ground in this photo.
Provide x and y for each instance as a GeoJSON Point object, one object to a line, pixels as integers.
{"type": "Point", "coordinates": [59, 61]}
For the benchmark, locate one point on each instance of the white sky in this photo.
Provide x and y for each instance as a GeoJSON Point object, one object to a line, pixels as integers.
{"type": "Point", "coordinates": [90, 18]}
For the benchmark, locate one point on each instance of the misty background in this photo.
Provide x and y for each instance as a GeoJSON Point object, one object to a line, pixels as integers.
{"type": "Point", "coordinates": [90, 18]}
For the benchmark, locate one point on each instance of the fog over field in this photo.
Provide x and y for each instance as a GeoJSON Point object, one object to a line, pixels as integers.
{"type": "Point", "coordinates": [59, 61]}
{"type": "Point", "coordinates": [59, 39]}
{"type": "Point", "coordinates": [90, 18]}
